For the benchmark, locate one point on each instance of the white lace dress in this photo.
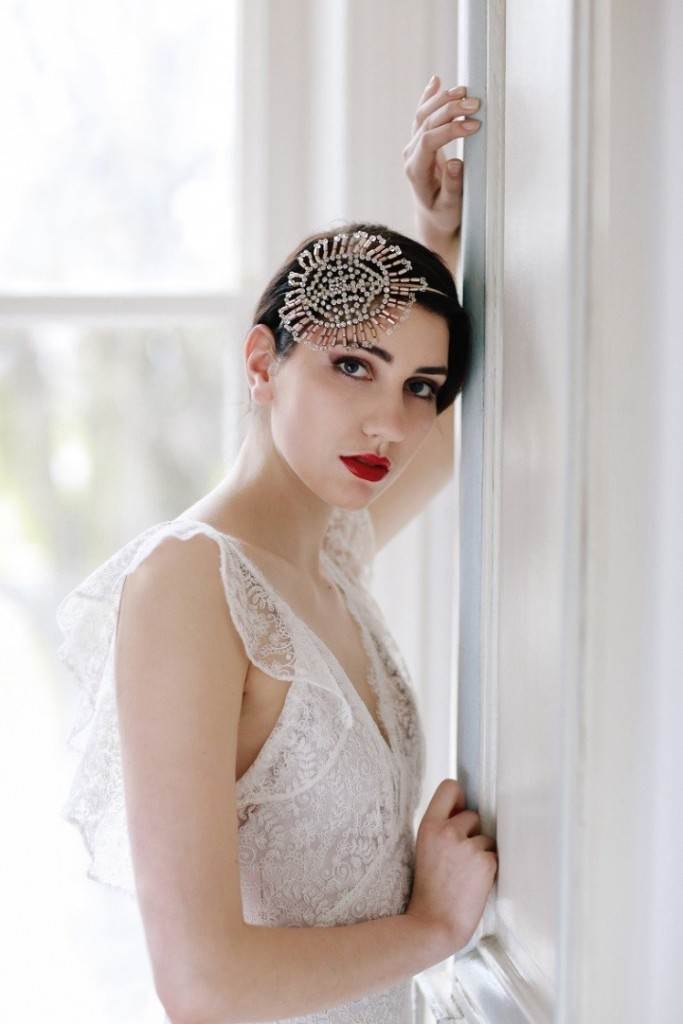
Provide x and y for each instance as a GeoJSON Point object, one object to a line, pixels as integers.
{"type": "Point", "coordinates": [326, 811]}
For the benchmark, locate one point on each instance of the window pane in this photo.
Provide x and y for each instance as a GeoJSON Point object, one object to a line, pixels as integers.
{"type": "Point", "coordinates": [104, 428]}
{"type": "Point", "coordinates": [118, 168]}
{"type": "Point", "coordinates": [103, 431]}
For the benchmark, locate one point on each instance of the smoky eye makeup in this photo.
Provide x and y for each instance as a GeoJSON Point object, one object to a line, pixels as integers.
{"type": "Point", "coordinates": [339, 362]}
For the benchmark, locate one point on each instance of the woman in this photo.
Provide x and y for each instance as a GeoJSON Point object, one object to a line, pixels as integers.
{"type": "Point", "coordinates": [254, 757]}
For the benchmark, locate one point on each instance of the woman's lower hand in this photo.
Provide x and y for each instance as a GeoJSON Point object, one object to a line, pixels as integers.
{"type": "Point", "coordinates": [455, 868]}
{"type": "Point", "coordinates": [436, 183]}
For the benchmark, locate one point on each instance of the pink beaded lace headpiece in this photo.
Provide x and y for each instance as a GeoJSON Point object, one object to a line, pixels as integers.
{"type": "Point", "coordinates": [345, 289]}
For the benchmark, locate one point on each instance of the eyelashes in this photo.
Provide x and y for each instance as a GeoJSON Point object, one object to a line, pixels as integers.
{"type": "Point", "coordinates": [337, 363]}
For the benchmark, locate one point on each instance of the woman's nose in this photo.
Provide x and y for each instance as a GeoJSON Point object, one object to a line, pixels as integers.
{"type": "Point", "coordinates": [388, 421]}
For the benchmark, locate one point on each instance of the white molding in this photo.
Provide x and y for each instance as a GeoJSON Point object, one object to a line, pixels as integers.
{"type": "Point", "coordinates": [494, 981]}
{"type": "Point", "coordinates": [588, 43]}
{"type": "Point", "coordinates": [493, 401]}
{"type": "Point", "coordinates": [482, 58]}
{"type": "Point", "coordinates": [160, 307]}
{"type": "Point", "coordinates": [482, 985]}
{"type": "Point", "coordinates": [435, 993]}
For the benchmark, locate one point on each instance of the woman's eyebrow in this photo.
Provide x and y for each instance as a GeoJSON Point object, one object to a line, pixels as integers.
{"type": "Point", "coordinates": [388, 358]}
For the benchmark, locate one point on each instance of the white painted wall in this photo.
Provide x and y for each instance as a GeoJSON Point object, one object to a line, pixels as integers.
{"type": "Point", "coordinates": [577, 752]}
{"type": "Point", "coordinates": [533, 484]}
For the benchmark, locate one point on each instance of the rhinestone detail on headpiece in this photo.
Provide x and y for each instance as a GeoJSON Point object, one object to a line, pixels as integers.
{"type": "Point", "coordinates": [337, 286]}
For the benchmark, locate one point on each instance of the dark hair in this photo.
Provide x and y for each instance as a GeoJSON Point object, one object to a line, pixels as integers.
{"type": "Point", "coordinates": [425, 264]}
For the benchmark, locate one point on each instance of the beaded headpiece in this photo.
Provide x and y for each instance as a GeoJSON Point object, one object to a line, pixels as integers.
{"type": "Point", "coordinates": [347, 284]}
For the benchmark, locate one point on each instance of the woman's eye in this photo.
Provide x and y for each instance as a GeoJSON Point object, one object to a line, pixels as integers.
{"type": "Point", "coordinates": [431, 390]}
{"type": "Point", "coordinates": [429, 395]}
{"type": "Point", "coordinates": [347, 359]}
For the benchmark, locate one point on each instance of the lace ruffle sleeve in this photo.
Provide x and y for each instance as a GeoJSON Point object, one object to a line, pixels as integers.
{"type": "Point", "coordinates": [87, 618]}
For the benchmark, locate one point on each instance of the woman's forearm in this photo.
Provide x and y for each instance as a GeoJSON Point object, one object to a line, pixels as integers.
{"type": "Point", "coordinates": [290, 971]}
{"type": "Point", "coordinates": [448, 248]}
{"type": "Point", "coordinates": [449, 251]}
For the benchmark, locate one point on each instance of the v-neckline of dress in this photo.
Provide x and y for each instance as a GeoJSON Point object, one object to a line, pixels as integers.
{"type": "Point", "coordinates": [325, 649]}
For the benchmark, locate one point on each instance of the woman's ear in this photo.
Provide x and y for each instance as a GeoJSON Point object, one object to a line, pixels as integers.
{"type": "Point", "coordinates": [260, 363]}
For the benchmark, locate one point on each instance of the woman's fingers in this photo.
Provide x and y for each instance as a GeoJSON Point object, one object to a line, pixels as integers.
{"type": "Point", "coordinates": [427, 102]}
{"type": "Point", "coordinates": [435, 111]}
{"type": "Point", "coordinates": [430, 88]}
{"type": "Point", "coordinates": [433, 102]}
{"type": "Point", "coordinates": [431, 138]}
{"type": "Point", "coordinates": [419, 153]}
{"type": "Point", "coordinates": [484, 843]}
{"type": "Point", "coordinates": [448, 799]}
{"type": "Point", "coordinates": [445, 113]}
{"type": "Point", "coordinates": [467, 823]}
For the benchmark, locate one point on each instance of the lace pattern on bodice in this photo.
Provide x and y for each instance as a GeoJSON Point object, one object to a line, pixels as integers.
{"type": "Point", "coordinates": [325, 811]}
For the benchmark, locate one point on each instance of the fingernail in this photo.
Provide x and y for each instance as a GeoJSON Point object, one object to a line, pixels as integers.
{"type": "Point", "coordinates": [432, 80]}
{"type": "Point", "coordinates": [454, 166]}
{"type": "Point", "coordinates": [469, 104]}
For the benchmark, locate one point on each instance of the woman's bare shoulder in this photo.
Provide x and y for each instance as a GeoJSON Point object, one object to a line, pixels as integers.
{"type": "Point", "coordinates": [176, 598]}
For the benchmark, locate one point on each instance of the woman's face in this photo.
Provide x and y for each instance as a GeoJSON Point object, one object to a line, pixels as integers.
{"type": "Point", "coordinates": [350, 401]}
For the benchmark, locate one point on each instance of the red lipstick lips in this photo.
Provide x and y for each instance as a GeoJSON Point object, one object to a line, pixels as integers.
{"type": "Point", "coordinates": [367, 465]}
